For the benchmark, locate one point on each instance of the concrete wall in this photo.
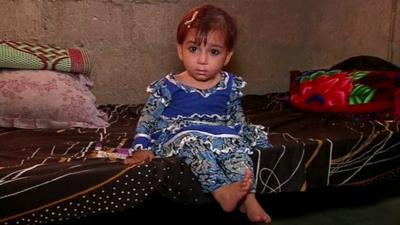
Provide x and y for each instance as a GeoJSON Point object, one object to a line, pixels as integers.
{"type": "Point", "coordinates": [132, 42]}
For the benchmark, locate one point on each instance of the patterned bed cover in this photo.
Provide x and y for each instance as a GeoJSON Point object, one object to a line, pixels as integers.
{"type": "Point", "coordinates": [54, 175]}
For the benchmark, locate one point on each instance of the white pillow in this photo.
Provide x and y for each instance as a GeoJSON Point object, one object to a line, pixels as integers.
{"type": "Point", "coordinates": [48, 99]}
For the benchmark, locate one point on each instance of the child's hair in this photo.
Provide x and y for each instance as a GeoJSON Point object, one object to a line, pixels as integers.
{"type": "Point", "coordinates": [207, 18]}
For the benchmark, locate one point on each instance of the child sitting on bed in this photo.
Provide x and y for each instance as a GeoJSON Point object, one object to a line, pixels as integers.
{"type": "Point", "coordinates": [197, 115]}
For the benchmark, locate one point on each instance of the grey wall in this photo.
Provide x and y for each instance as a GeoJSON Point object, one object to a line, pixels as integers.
{"type": "Point", "coordinates": [132, 42]}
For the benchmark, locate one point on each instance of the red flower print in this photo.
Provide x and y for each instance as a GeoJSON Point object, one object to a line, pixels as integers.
{"type": "Point", "coordinates": [326, 91]}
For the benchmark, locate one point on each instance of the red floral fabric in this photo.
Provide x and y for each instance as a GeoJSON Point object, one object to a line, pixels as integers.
{"type": "Point", "coordinates": [344, 91]}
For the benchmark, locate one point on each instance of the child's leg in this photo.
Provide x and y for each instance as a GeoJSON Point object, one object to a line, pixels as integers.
{"type": "Point", "coordinates": [213, 179]}
{"type": "Point", "coordinates": [238, 168]}
{"type": "Point", "coordinates": [230, 195]}
{"type": "Point", "coordinates": [234, 164]}
{"type": "Point", "coordinates": [204, 166]}
{"type": "Point", "coordinates": [254, 211]}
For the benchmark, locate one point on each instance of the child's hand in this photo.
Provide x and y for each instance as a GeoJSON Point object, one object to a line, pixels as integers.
{"type": "Point", "coordinates": [139, 157]}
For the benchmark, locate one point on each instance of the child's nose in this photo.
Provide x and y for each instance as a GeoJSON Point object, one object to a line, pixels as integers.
{"type": "Point", "coordinates": [203, 58]}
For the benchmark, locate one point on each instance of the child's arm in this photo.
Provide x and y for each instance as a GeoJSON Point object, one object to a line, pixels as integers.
{"type": "Point", "coordinates": [150, 117]}
{"type": "Point", "coordinates": [235, 109]}
{"type": "Point", "coordinates": [139, 156]}
{"type": "Point", "coordinates": [254, 135]}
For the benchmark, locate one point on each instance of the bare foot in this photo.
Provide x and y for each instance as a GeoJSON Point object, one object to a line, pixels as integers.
{"type": "Point", "coordinates": [229, 195]}
{"type": "Point", "coordinates": [254, 210]}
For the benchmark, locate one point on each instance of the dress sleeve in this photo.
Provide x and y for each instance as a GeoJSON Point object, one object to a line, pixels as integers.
{"type": "Point", "coordinates": [158, 99]}
{"type": "Point", "coordinates": [235, 108]}
{"type": "Point", "coordinates": [255, 135]}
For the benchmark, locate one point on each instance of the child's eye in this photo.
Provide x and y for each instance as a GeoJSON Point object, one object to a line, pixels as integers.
{"type": "Point", "coordinates": [215, 52]}
{"type": "Point", "coordinates": [192, 49]}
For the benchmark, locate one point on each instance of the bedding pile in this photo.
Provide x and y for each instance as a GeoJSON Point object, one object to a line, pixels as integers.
{"type": "Point", "coordinates": [46, 87]}
{"type": "Point", "coordinates": [24, 55]}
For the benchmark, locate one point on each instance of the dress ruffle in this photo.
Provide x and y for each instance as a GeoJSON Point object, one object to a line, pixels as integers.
{"type": "Point", "coordinates": [159, 90]}
{"type": "Point", "coordinates": [255, 136]}
{"type": "Point", "coordinates": [206, 142]}
{"type": "Point", "coordinates": [168, 134]}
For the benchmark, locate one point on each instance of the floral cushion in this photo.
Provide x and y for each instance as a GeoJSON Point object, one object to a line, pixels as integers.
{"type": "Point", "coordinates": [348, 91]}
{"type": "Point", "coordinates": [47, 99]}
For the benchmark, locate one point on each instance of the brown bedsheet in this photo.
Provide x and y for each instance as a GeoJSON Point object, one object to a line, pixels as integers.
{"type": "Point", "coordinates": [48, 176]}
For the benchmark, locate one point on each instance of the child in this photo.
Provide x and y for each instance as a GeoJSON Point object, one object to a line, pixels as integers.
{"type": "Point", "coordinates": [197, 115]}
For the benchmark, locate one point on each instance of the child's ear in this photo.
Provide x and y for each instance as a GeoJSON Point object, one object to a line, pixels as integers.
{"type": "Point", "coordinates": [179, 50]}
{"type": "Point", "coordinates": [228, 58]}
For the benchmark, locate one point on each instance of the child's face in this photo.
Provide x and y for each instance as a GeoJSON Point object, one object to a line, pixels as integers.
{"type": "Point", "coordinates": [203, 62]}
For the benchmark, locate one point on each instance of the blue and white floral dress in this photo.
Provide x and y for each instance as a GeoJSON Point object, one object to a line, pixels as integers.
{"type": "Point", "coordinates": [206, 128]}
